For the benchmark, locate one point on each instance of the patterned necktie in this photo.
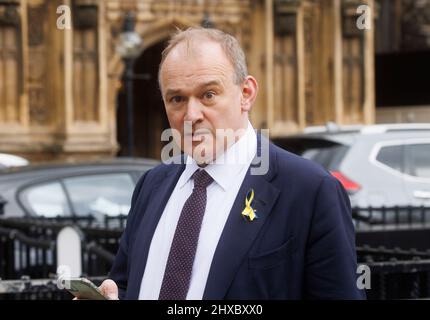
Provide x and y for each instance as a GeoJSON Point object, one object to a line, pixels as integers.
{"type": "Point", "coordinates": [179, 265]}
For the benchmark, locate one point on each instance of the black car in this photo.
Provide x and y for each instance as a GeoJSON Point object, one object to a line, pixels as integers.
{"type": "Point", "coordinates": [96, 189]}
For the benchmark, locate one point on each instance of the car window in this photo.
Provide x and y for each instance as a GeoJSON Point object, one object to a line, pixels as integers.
{"type": "Point", "coordinates": [329, 157]}
{"type": "Point", "coordinates": [391, 156]}
{"type": "Point", "coordinates": [419, 160]}
{"type": "Point", "coordinates": [47, 200]}
{"type": "Point", "coordinates": [99, 195]}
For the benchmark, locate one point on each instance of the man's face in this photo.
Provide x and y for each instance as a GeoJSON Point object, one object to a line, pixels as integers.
{"type": "Point", "coordinates": [200, 96]}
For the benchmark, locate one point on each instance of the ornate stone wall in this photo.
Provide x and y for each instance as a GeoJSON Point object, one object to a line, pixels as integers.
{"type": "Point", "coordinates": [402, 25]}
{"type": "Point", "coordinates": [59, 88]}
{"type": "Point", "coordinates": [416, 24]}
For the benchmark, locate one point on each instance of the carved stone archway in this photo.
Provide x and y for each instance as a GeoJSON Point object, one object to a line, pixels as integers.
{"type": "Point", "coordinates": [154, 36]}
{"type": "Point", "coordinates": [151, 34]}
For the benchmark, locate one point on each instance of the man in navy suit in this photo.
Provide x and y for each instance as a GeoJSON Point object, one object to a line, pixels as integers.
{"type": "Point", "coordinates": [211, 227]}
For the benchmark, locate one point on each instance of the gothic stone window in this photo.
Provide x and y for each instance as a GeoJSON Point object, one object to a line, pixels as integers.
{"type": "Point", "coordinates": [85, 65]}
{"type": "Point", "coordinates": [9, 62]}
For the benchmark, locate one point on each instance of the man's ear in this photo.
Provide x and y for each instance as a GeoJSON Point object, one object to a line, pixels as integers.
{"type": "Point", "coordinates": [249, 93]}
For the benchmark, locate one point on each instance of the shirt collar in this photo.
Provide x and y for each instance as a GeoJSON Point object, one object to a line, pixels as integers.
{"type": "Point", "coordinates": [236, 158]}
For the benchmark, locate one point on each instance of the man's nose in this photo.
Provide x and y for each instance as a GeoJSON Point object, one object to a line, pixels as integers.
{"type": "Point", "coordinates": [194, 111]}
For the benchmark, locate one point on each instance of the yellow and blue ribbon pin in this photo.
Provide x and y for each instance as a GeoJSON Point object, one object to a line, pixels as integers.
{"type": "Point", "coordinates": [249, 212]}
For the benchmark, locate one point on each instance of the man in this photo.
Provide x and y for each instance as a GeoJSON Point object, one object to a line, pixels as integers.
{"type": "Point", "coordinates": [209, 228]}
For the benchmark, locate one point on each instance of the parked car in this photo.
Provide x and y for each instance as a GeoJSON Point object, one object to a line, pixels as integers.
{"type": "Point", "coordinates": [379, 165]}
{"type": "Point", "coordinates": [72, 190]}
{"type": "Point", "coordinates": [10, 160]}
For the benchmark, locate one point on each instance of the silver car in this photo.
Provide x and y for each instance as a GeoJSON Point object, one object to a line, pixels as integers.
{"type": "Point", "coordinates": [71, 190]}
{"type": "Point", "coordinates": [379, 165]}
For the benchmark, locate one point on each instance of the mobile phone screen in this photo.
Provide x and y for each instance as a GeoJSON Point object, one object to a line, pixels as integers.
{"type": "Point", "coordinates": [84, 289]}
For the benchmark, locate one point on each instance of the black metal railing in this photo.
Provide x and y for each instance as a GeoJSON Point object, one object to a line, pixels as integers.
{"type": "Point", "coordinates": [390, 216]}
{"type": "Point", "coordinates": [115, 222]}
{"type": "Point", "coordinates": [393, 242]}
{"type": "Point", "coordinates": [23, 255]}
{"type": "Point", "coordinates": [28, 248]}
{"type": "Point", "coordinates": [396, 273]}
{"type": "Point", "coordinates": [369, 254]}
{"type": "Point", "coordinates": [86, 221]}
{"type": "Point", "coordinates": [97, 261]}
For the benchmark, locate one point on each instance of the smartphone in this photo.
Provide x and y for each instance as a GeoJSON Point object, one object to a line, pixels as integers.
{"type": "Point", "coordinates": [83, 288]}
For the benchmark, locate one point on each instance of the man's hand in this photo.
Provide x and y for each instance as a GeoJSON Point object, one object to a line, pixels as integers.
{"type": "Point", "coordinates": [109, 289]}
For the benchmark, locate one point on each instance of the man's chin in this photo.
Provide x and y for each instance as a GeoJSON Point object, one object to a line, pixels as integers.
{"type": "Point", "coordinates": [200, 155]}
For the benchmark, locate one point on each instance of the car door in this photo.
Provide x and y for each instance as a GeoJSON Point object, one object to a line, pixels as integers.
{"type": "Point", "coordinates": [417, 179]}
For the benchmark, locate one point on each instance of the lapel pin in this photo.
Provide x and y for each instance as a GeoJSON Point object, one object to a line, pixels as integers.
{"type": "Point", "coordinates": [249, 212]}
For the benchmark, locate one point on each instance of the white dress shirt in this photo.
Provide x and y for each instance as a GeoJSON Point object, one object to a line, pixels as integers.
{"type": "Point", "coordinates": [228, 173]}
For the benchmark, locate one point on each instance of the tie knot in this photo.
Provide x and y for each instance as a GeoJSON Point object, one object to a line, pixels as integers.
{"type": "Point", "coordinates": [202, 179]}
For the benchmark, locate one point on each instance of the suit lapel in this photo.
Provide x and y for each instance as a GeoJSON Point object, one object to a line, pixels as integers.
{"type": "Point", "coordinates": [161, 192]}
{"type": "Point", "coordinates": [239, 234]}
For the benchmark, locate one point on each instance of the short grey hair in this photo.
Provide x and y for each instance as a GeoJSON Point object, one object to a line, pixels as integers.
{"type": "Point", "coordinates": [229, 44]}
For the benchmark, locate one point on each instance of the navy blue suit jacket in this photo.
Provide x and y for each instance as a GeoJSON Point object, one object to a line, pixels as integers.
{"type": "Point", "coordinates": [301, 246]}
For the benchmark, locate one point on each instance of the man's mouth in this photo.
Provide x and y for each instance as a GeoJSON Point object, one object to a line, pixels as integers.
{"type": "Point", "coordinates": [197, 136]}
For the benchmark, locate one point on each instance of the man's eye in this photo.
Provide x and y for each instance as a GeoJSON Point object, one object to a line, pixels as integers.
{"type": "Point", "coordinates": [209, 95]}
{"type": "Point", "coordinates": [176, 99]}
